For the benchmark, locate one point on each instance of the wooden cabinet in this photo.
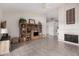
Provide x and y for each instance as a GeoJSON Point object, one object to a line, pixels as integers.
{"type": "Point", "coordinates": [4, 47]}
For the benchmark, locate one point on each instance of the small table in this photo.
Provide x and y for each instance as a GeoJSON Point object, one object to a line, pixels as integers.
{"type": "Point", "coordinates": [4, 46]}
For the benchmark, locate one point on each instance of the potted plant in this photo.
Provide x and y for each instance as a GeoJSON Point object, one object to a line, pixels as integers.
{"type": "Point", "coordinates": [22, 20]}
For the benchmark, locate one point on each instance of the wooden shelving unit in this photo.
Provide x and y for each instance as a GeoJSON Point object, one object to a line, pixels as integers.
{"type": "Point", "coordinates": [27, 30]}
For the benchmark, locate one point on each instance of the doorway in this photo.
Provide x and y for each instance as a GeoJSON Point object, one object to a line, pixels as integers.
{"type": "Point", "coordinates": [52, 28]}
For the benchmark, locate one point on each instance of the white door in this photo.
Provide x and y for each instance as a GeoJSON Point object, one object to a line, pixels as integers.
{"type": "Point", "coordinates": [52, 28]}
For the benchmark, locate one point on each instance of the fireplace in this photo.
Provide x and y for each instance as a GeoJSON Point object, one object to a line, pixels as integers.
{"type": "Point", "coordinates": [35, 34]}
{"type": "Point", "coordinates": [71, 38]}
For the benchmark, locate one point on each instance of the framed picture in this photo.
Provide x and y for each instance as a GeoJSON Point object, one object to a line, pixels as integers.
{"type": "Point", "coordinates": [3, 24]}
{"type": "Point", "coordinates": [32, 21]}
{"type": "Point", "coordinates": [70, 16]}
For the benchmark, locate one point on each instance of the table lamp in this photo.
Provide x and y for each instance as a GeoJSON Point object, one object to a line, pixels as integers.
{"type": "Point", "coordinates": [4, 33]}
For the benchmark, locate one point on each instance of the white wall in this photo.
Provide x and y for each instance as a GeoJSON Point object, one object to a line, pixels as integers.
{"type": "Point", "coordinates": [12, 19]}
{"type": "Point", "coordinates": [1, 15]}
{"type": "Point", "coordinates": [65, 28]}
{"type": "Point", "coordinates": [0, 20]}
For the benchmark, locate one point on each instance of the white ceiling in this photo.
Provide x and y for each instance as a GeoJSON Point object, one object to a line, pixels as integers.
{"type": "Point", "coordinates": [47, 9]}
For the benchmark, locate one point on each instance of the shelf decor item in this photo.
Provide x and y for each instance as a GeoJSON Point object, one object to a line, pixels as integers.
{"type": "Point", "coordinates": [70, 16]}
{"type": "Point", "coordinates": [32, 21]}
